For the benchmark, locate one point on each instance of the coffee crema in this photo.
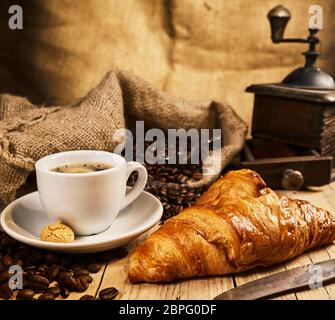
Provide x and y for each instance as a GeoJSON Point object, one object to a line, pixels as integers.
{"type": "Point", "coordinates": [82, 167]}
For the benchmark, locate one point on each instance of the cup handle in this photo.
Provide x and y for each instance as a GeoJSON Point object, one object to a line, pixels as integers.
{"type": "Point", "coordinates": [139, 185]}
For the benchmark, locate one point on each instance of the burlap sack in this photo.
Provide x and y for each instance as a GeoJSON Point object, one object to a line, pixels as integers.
{"type": "Point", "coordinates": [29, 132]}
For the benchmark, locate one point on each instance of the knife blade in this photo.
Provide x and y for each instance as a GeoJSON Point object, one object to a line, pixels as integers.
{"type": "Point", "coordinates": [284, 281]}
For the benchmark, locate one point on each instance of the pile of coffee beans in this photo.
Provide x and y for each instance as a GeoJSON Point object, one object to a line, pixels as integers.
{"type": "Point", "coordinates": [47, 276]}
{"type": "Point", "coordinates": [169, 183]}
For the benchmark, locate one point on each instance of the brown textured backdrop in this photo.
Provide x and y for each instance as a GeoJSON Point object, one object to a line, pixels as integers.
{"type": "Point", "coordinates": [195, 49]}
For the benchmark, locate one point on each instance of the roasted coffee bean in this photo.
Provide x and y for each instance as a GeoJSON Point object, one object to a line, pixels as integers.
{"type": "Point", "coordinates": [46, 296]}
{"type": "Point", "coordinates": [64, 292]}
{"type": "Point", "coordinates": [163, 192]}
{"type": "Point", "coordinates": [174, 171]}
{"type": "Point", "coordinates": [69, 282]}
{"type": "Point", "coordinates": [108, 293]}
{"type": "Point", "coordinates": [94, 267]}
{"type": "Point", "coordinates": [31, 270]}
{"type": "Point", "coordinates": [173, 191]}
{"type": "Point", "coordinates": [87, 297]}
{"type": "Point", "coordinates": [25, 294]}
{"type": "Point", "coordinates": [79, 272]}
{"type": "Point", "coordinates": [7, 261]}
{"type": "Point", "coordinates": [197, 175]}
{"type": "Point", "coordinates": [86, 277]}
{"type": "Point", "coordinates": [183, 179]}
{"type": "Point", "coordinates": [5, 292]}
{"type": "Point", "coordinates": [53, 272]}
{"type": "Point", "coordinates": [55, 291]}
{"type": "Point", "coordinates": [42, 270]}
{"type": "Point", "coordinates": [82, 284]}
{"type": "Point", "coordinates": [63, 274]}
{"type": "Point", "coordinates": [37, 283]}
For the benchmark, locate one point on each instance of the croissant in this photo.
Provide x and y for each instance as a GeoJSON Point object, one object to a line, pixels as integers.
{"type": "Point", "coordinates": [236, 225]}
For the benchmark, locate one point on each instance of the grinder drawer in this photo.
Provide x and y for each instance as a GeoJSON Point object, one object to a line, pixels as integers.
{"type": "Point", "coordinates": [285, 166]}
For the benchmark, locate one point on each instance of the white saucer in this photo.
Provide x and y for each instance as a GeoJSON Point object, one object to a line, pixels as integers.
{"type": "Point", "coordinates": [24, 219]}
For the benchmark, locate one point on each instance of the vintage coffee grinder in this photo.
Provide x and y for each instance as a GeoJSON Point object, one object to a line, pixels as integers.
{"type": "Point", "coordinates": [293, 126]}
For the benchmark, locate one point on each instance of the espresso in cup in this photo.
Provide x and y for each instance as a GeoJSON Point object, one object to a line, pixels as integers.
{"type": "Point", "coordinates": [90, 202]}
{"type": "Point", "coordinates": [82, 167]}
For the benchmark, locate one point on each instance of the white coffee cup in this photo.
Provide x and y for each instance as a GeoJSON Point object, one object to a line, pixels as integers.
{"type": "Point", "coordinates": [88, 202]}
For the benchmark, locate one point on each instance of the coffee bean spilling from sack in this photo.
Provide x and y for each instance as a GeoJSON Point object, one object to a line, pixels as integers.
{"type": "Point", "coordinates": [50, 275]}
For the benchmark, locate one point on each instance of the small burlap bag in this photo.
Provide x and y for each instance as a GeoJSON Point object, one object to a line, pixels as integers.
{"type": "Point", "coordinates": [29, 132]}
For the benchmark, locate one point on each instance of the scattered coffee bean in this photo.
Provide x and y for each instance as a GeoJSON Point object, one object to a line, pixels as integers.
{"type": "Point", "coordinates": [64, 274]}
{"type": "Point", "coordinates": [86, 277]}
{"type": "Point", "coordinates": [197, 175]}
{"type": "Point", "coordinates": [37, 283]}
{"type": "Point", "coordinates": [64, 292]}
{"type": "Point", "coordinates": [42, 270]}
{"type": "Point", "coordinates": [69, 282]}
{"type": "Point", "coordinates": [108, 293]}
{"type": "Point", "coordinates": [79, 272]}
{"type": "Point", "coordinates": [53, 272]}
{"type": "Point", "coordinates": [25, 294]}
{"type": "Point", "coordinates": [94, 267]}
{"type": "Point", "coordinates": [87, 297]}
{"type": "Point", "coordinates": [82, 284]}
{"type": "Point", "coordinates": [46, 296]}
{"type": "Point", "coordinates": [55, 291]}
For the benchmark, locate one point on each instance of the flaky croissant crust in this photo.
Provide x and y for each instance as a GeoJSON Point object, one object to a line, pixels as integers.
{"type": "Point", "coordinates": [236, 225]}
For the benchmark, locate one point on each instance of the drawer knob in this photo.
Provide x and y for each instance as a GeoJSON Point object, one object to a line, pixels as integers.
{"type": "Point", "coordinates": [292, 179]}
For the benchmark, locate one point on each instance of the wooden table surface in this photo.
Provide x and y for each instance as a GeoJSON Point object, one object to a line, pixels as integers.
{"type": "Point", "coordinates": [114, 274]}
